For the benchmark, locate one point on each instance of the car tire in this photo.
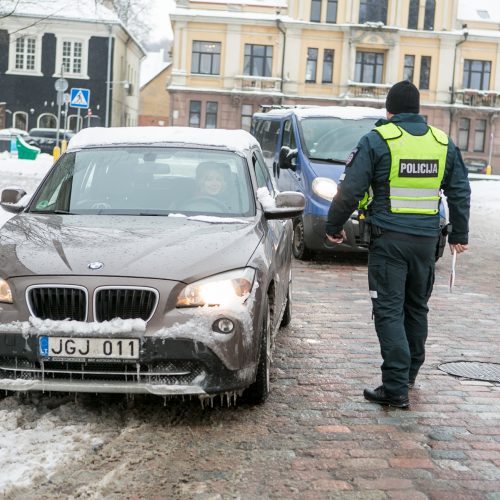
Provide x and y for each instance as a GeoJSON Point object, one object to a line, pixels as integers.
{"type": "Point", "coordinates": [258, 392]}
{"type": "Point", "coordinates": [287, 315]}
{"type": "Point", "coordinates": [299, 247]}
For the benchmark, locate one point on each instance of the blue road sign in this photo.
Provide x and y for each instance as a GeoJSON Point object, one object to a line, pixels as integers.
{"type": "Point", "coordinates": [79, 98]}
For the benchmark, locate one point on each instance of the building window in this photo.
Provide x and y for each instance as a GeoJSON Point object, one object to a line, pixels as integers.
{"type": "Point", "coordinates": [430, 8]}
{"type": "Point", "coordinates": [463, 133]}
{"type": "Point", "coordinates": [316, 11]}
{"type": "Point", "coordinates": [258, 60]}
{"type": "Point", "coordinates": [373, 11]}
{"type": "Point", "coordinates": [327, 66]}
{"type": "Point", "coordinates": [47, 120]}
{"type": "Point", "coordinates": [479, 136]}
{"type": "Point", "coordinates": [331, 11]}
{"type": "Point", "coordinates": [409, 67]}
{"type": "Point", "coordinates": [72, 56]}
{"type": "Point", "coordinates": [477, 74]}
{"type": "Point", "coordinates": [425, 72]}
{"type": "Point", "coordinates": [205, 58]}
{"type": "Point", "coordinates": [75, 122]}
{"type": "Point", "coordinates": [194, 113]}
{"type": "Point", "coordinates": [20, 120]}
{"type": "Point", "coordinates": [25, 53]}
{"type": "Point", "coordinates": [413, 15]}
{"type": "Point", "coordinates": [211, 114]}
{"type": "Point", "coordinates": [369, 67]}
{"type": "Point", "coordinates": [311, 65]}
{"type": "Point", "coordinates": [246, 116]}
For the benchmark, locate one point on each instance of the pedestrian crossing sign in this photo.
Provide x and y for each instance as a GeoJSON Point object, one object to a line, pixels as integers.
{"type": "Point", "coordinates": [79, 98]}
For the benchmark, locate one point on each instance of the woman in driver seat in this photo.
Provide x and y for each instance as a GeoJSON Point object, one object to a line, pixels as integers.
{"type": "Point", "coordinates": [211, 179]}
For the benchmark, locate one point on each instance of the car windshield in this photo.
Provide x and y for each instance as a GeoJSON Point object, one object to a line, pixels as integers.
{"type": "Point", "coordinates": [147, 181]}
{"type": "Point", "coordinates": [330, 138]}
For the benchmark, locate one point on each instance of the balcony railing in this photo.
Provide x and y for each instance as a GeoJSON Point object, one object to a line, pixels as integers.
{"type": "Point", "coordinates": [367, 90]}
{"type": "Point", "coordinates": [257, 83]}
{"type": "Point", "coordinates": [473, 97]}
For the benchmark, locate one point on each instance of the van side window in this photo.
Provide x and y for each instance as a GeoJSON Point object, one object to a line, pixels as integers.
{"type": "Point", "coordinates": [288, 135]}
{"type": "Point", "coordinates": [267, 135]}
{"type": "Point", "coordinates": [262, 173]}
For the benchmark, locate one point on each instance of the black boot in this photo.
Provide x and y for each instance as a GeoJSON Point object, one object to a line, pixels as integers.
{"type": "Point", "coordinates": [411, 383]}
{"type": "Point", "coordinates": [379, 396]}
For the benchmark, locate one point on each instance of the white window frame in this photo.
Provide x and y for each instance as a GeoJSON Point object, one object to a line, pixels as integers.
{"type": "Point", "coordinates": [37, 71]}
{"type": "Point", "coordinates": [83, 74]}
{"type": "Point", "coordinates": [39, 119]}
{"type": "Point", "coordinates": [14, 116]}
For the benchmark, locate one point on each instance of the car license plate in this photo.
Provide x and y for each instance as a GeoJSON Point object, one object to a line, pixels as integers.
{"type": "Point", "coordinates": [89, 348]}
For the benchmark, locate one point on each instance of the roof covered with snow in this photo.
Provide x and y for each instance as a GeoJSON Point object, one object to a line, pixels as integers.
{"type": "Point", "coordinates": [345, 112]}
{"type": "Point", "coordinates": [82, 10]}
{"type": "Point", "coordinates": [151, 66]}
{"type": "Point", "coordinates": [487, 11]}
{"type": "Point", "coordinates": [263, 3]}
{"type": "Point", "coordinates": [234, 140]}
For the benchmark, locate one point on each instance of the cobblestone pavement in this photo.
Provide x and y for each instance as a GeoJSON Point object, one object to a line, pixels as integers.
{"type": "Point", "coordinates": [316, 437]}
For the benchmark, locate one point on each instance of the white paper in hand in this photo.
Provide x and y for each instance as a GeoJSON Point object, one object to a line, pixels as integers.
{"type": "Point", "coordinates": [452, 275]}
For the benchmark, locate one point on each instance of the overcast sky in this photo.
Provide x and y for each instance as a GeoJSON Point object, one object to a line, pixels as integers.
{"type": "Point", "coordinates": [159, 19]}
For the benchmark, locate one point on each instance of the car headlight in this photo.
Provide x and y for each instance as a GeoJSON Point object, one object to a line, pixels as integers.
{"type": "Point", "coordinates": [325, 188]}
{"type": "Point", "coordinates": [219, 290]}
{"type": "Point", "coordinates": [5, 293]}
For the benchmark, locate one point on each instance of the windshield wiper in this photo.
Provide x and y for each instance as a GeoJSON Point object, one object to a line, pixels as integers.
{"type": "Point", "coordinates": [331, 160]}
{"type": "Point", "coordinates": [63, 212]}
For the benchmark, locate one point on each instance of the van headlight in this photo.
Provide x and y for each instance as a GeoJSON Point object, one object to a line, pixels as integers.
{"type": "Point", "coordinates": [220, 290]}
{"type": "Point", "coordinates": [5, 292]}
{"type": "Point", "coordinates": [324, 188]}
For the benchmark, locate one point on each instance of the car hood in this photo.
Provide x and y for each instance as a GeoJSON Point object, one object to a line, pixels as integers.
{"type": "Point", "coordinates": [327, 169]}
{"type": "Point", "coordinates": [173, 248]}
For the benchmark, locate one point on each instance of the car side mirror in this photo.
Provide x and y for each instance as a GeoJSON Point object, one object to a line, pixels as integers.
{"type": "Point", "coordinates": [10, 199]}
{"type": "Point", "coordinates": [288, 158]}
{"type": "Point", "coordinates": [287, 205]}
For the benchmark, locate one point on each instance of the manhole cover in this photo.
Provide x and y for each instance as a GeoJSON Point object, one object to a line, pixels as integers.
{"type": "Point", "coordinates": [489, 372]}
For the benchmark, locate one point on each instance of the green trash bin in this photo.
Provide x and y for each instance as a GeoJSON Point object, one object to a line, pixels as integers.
{"type": "Point", "coordinates": [25, 151]}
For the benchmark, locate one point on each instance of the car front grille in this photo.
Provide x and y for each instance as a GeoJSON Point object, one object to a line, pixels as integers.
{"type": "Point", "coordinates": [71, 303]}
{"type": "Point", "coordinates": [125, 303]}
{"type": "Point", "coordinates": [160, 373]}
{"type": "Point", "coordinates": [58, 303]}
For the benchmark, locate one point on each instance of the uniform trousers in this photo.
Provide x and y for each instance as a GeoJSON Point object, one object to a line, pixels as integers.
{"type": "Point", "coordinates": [400, 278]}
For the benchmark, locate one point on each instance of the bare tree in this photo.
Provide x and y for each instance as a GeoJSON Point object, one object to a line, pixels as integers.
{"type": "Point", "coordinates": [134, 14]}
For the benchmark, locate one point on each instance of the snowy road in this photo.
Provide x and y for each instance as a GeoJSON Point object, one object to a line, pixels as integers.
{"type": "Point", "coordinates": [92, 447]}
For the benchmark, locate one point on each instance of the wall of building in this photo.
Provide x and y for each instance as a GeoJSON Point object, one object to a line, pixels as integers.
{"type": "Point", "coordinates": [155, 101]}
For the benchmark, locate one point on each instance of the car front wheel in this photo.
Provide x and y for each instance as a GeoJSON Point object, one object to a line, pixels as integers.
{"type": "Point", "coordinates": [257, 393]}
{"type": "Point", "coordinates": [299, 247]}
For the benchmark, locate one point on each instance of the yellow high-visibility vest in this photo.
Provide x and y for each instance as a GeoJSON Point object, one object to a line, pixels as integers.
{"type": "Point", "coordinates": [417, 168]}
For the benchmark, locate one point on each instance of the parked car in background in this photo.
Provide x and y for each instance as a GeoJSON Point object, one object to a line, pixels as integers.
{"type": "Point", "coordinates": [476, 165]}
{"type": "Point", "coordinates": [7, 134]}
{"type": "Point", "coordinates": [46, 137]}
{"type": "Point", "coordinates": [306, 149]}
{"type": "Point", "coordinates": [120, 275]}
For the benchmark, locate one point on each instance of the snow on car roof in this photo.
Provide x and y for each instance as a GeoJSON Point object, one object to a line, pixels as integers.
{"type": "Point", "coordinates": [235, 140]}
{"type": "Point", "coordinates": [350, 112]}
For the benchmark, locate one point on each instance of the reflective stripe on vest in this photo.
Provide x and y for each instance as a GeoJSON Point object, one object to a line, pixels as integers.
{"type": "Point", "coordinates": [417, 168]}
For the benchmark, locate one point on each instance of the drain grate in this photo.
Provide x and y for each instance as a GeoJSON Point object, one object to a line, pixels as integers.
{"type": "Point", "coordinates": [476, 370]}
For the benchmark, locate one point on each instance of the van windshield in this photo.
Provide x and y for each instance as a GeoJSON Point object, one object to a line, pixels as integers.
{"type": "Point", "coordinates": [330, 138]}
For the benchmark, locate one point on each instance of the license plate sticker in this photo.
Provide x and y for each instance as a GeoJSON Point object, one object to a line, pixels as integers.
{"type": "Point", "coordinates": [88, 348]}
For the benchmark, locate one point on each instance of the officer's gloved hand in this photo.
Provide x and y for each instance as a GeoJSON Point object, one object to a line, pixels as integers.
{"type": "Point", "coordinates": [338, 238]}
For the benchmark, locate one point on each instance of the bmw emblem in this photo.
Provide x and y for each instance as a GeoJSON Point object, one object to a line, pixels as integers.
{"type": "Point", "coordinates": [95, 266]}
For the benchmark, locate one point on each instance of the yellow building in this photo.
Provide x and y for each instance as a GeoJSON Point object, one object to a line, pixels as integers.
{"type": "Point", "coordinates": [231, 57]}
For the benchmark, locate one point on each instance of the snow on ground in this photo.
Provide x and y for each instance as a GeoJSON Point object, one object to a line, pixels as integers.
{"type": "Point", "coordinates": [32, 445]}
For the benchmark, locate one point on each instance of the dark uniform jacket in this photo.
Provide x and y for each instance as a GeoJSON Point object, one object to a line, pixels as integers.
{"type": "Point", "coordinates": [370, 164]}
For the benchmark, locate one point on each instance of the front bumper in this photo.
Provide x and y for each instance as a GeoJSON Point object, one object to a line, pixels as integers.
{"type": "Point", "coordinates": [166, 366]}
{"type": "Point", "coordinates": [315, 235]}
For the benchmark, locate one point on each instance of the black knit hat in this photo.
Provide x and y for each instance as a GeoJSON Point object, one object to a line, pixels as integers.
{"type": "Point", "coordinates": [403, 97]}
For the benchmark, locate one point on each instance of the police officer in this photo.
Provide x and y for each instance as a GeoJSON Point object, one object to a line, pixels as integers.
{"type": "Point", "coordinates": [403, 163]}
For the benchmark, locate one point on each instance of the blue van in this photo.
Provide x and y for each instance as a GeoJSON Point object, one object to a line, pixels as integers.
{"type": "Point", "coordinates": [306, 148]}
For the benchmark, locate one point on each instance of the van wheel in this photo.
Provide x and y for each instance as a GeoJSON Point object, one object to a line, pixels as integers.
{"type": "Point", "coordinates": [257, 393]}
{"type": "Point", "coordinates": [299, 248]}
